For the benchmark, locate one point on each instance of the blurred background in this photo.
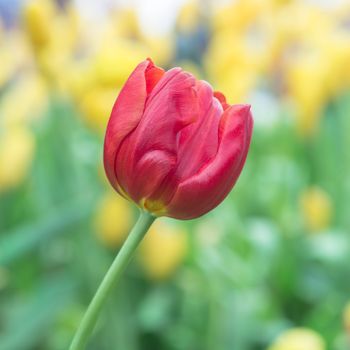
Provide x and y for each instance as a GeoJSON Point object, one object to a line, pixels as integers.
{"type": "Point", "coordinates": [269, 269]}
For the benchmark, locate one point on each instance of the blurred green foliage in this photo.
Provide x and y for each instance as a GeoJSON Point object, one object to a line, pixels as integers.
{"type": "Point", "coordinates": [273, 257]}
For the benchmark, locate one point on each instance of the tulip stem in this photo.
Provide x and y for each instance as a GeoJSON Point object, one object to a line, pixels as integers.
{"type": "Point", "coordinates": [112, 276]}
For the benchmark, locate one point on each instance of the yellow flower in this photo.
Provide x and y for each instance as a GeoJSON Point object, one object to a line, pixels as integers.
{"type": "Point", "coordinates": [37, 19]}
{"type": "Point", "coordinates": [14, 55]}
{"type": "Point", "coordinates": [238, 15]}
{"type": "Point", "coordinates": [347, 317]}
{"type": "Point", "coordinates": [160, 48]}
{"type": "Point", "coordinates": [30, 89]}
{"type": "Point", "coordinates": [16, 154]}
{"type": "Point", "coordinates": [54, 59]}
{"type": "Point", "coordinates": [126, 23]}
{"type": "Point", "coordinates": [53, 35]}
{"type": "Point", "coordinates": [96, 107]}
{"type": "Point", "coordinates": [316, 208]}
{"type": "Point", "coordinates": [336, 50]}
{"type": "Point", "coordinates": [113, 220]}
{"type": "Point", "coordinates": [232, 66]}
{"type": "Point", "coordinates": [163, 250]}
{"type": "Point", "coordinates": [299, 339]}
{"type": "Point", "coordinates": [79, 78]}
{"type": "Point", "coordinates": [116, 60]}
{"type": "Point", "coordinates": [189, 16]}
{"type": "Point", "coordinates": [307, 85]}
{"type": "Point", "coordinates": [95, 83]}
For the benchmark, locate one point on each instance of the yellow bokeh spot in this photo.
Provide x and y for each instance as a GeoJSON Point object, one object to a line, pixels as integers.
{"type": "Point", "coordinates": [37, 20]}
{"type": "Point", "coordinates": [96, 107]}
{"type": "Point", "coordinates": [307, 85]}
{"type": "Point", "coordinates": [126, 23]}
{"type": "Point", "coordinates": [347, 317]}
{"type": "Point", "coordinates": [116, 60]}
{"type": "Point", "coordinates": [31, 90]}
{"type": "Point", "coordinates": [316, 207]}
{"type": "Point", "coordinates": [16, 153]}
{"type": "Point", "coordinates": [163, 250]}
{"type": "Point", "coordinates": [113, 219]}
{"type": "Point", "coordinates": [189, 16]}
{"type": "Point", "coordinates": [161, 49]}
{"type": "Point", "coordinates": [299, 339]}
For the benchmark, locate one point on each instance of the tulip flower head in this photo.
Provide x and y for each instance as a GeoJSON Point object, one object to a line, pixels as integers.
{"type": "Point", "coordinates": [172, 145]}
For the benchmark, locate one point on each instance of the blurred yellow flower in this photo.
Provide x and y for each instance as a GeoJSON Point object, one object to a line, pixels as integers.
{"type": "Point", "coordinates": [53, 33]}
{"type": "Point", "coordinates": [236, 17]}
{"type": "Point", "coordinates": [336, 50]}
{"type": "Point", "coordinates": [96, 82]}
{"type": "Point", "coordinates": [116, 60]}
{"type": "Point", "coordinates": [232, 67]}
{"type": "Point", "coordinates": [31, 90]}
{"type": "Point", "coordinates": [189, 16]}
{"type": "Point", "coordinates": [14, 55]}
{"type": "Point", "coordinates": [113, 220]}
{"type": "Point", "coordinates": [305, 47]}
{"type": "Point", "coordinates": [96, 107]}
{"type": "Point", "coordinates": [38, 16]}
{"type": "Point", "coordinates": [299, 339]}
{"type": "Point", "coordinates": [316, 207]}
{"type": "Point", "coordinates": [79, 78]}
{"type": "Point", "coordinates": [123, 37]}
{"type": "Point", "coordinates": [126, 23]}
{"type": "Point", "coordinates": [161, 48]}
{"type": "Point", "coordinates": [16, 153]}
{"type": "Point", "coordinates": [307, 85]}
{"type": "Point", "coordinates": [163, 250]}
{"type": "Point", "coordinates": [347, 317]}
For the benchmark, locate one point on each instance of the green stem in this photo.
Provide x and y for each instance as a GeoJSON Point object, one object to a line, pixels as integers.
{"type": "Point", "coordinates": [112, 276]}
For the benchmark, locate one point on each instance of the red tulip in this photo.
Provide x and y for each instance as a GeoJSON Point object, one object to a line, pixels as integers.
{"type": "Point", "coordinates": [172, 145]}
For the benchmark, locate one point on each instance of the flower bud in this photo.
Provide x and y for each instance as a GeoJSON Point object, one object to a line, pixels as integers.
{"type": "Point", "coordinates": [172, 145]}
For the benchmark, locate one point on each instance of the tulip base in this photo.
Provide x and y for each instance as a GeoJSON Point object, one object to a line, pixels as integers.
{"type": "Point", "coordinates": [112, 276]}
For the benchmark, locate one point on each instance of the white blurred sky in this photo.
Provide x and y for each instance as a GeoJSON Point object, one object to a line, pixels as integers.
{"type": "Point", "coordinates": [158, 16]}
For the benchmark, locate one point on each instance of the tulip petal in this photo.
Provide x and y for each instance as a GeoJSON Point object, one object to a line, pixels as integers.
{"type": "Point", "coordinates": [222, 99]}
{"type": "Point", "coordinates": [127, 112]}
{"type": "Point", "coordinates": [204, 191]}
{"type": "Point", "coordinates": [171, 106]}
{"type": "Point", "coordinates": [153, 75]}
{"type": "Point", "coordinates": [150, 171]}
{"type": "Point", "coordinates": [198, 142]}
